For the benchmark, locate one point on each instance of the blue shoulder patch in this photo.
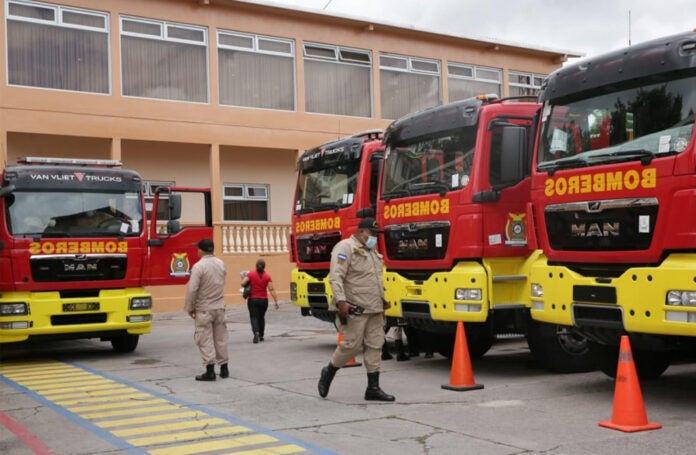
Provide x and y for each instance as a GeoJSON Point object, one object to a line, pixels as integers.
{"type": "Point", "coordinates": [342, 256]}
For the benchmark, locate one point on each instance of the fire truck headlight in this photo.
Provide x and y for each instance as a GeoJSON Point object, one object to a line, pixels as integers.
{"type": "Point", "coordinates": [141, 303]}
{"type": "Point", "coordinates": [293, 291]}
{"type": "Point", "coordinates": [537, 290]}
{"type": "Point", "coordinates": [468, 294]}
{"type": "Point", "coordinates": [14, 309]}
{"type": "Point", "coordinates": [681, 298]}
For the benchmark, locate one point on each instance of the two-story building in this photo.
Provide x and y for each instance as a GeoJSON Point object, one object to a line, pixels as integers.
{"type": "Point", "coordinates": [226, 94]}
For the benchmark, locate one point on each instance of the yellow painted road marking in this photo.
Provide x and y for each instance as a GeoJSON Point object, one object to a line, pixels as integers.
{"type": "Point", "coordinates": [278, 450]}
{"type": "Point", "coordinates": [116, 405]}
{"type": "Point", "coordinates": [105, 399]}
{"type": "Point", "coordinates": [139, 419]}
{"type": "Point", "coordinates": [214, 445]}
{"type": "Point", "coordinates": [187, 425]}
{"type": "Point", "coordinates": [156, 418]}
{"type": "Point", "coordinates": [187, 436]}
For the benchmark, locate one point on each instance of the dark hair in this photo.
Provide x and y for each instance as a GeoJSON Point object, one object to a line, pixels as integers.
{"type": "Point", "coordinates": [260, 265]}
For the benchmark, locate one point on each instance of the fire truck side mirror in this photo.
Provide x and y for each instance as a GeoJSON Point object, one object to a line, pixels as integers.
{"type": "Point", "coordinates": [367, 212]}
{"type": "Point", "coordinates": [174, 206]}
{"type": "Point", "coordinates": [513, 157]}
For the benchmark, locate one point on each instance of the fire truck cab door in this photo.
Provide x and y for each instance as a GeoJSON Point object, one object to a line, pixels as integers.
{"type": "Point", "coordinates": [179, 218]}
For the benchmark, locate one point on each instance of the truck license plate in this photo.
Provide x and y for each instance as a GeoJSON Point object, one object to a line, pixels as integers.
{"type": "Point", "coordinates": [82, 306]}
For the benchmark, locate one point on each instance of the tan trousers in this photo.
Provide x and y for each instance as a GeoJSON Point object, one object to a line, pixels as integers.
{"type": "Point", "coordinates": [211, 336]}
{"type": "Point", "coordinates": [362, 334]}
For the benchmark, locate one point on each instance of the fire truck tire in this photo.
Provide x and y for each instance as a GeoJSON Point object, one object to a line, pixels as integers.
{"type": "Point", "coordinates": [649, 364]}
{"type": "Point", "coordinates": [559, 348]}
{"type": "Point", "coordinates": [125, 344]}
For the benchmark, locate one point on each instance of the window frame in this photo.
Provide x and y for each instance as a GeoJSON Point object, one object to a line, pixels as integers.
{"type": "Point", "coordinates": [341, 60]}
{"type": "Point", "coordinates": [164, 27]}
{"type": "Point", "coordinates": [409, 64]}
{"type": "Point", "coordinates": [247, 197]}
{"type": "Point", "coordinates": [255, 48]}
{"type": "Point", "coordinates": [532, 77]}
{"type": "Point", "coordinates": [59, 22]}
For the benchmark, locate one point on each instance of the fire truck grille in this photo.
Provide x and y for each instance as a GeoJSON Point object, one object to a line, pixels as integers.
{"type": "Point", "coordinates": [614, 225]}
{"type": "Point", "coordinates": [78, 268]}
{"type": "Point", "coordinates": [417, 241]}
{"type": "Point", "coordinates": [316, 247]}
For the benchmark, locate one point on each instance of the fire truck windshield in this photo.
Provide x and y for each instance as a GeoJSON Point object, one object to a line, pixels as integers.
{"type": "Point", "coordinates": [327, 188]}
{"type": "Point", "coordinates": [623, 122]}
{"type": "Point", "coordinates": [435, 164]}
{"type": "Point", "coordinates": [73, 214]}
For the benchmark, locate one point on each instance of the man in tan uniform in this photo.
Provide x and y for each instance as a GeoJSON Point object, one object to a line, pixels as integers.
{"type": "Point", "coordinates": [358, 292]}
{"type": "Point", "coordinates": [205, 304]}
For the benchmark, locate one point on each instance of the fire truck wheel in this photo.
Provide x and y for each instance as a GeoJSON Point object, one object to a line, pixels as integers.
{"type": "Point", "coordinates": [559, 348]}
{"type": "Point", "coordinates": [649, 364]}
{"type": "Point", "coordinates": [125, 344]}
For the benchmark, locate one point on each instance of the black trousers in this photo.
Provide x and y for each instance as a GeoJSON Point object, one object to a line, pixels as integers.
{"type": "Point", "coordinates": [257, 314]}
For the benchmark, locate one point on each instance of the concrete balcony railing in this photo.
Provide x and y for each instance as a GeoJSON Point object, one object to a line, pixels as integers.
{"type": "Point", "coordinates": [255, 239]}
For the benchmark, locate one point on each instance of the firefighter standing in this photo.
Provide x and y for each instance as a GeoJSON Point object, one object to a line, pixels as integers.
{"type": "Point", "coordinates": [206, 306]}
{"type": "Point", "coordinates": [356, 279]}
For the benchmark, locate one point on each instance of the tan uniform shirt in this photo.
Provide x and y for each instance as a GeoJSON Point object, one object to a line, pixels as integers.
{"type": "Point", "coordinates": [356, 275]}
{"type": "Point", "coordinates": [206, 287]}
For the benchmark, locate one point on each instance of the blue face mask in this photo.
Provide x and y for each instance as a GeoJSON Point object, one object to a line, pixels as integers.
{"type": "Point", "coordinates": [371, 242]}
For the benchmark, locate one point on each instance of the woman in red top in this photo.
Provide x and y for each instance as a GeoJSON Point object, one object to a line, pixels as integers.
{"type": "Point", "coordinates": [261, 284]}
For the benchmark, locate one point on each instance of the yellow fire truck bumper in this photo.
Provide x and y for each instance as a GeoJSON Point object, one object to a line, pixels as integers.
{"type": "Point", "coordinates": [29, 314]}
{"type": "Point", "coordinates": [304, 287]}
{"type": "Point", "coordinates": [655, 300]}
{"type": "Point", "coordinates": [434, 298]}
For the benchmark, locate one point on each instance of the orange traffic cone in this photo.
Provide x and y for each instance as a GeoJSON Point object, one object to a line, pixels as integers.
{"type": "Point", "coordinates": [629, 411]}
{"type": "Point", "coordinates": [461, 376]}
{"type": "Point", "coordinates": [351, 362]}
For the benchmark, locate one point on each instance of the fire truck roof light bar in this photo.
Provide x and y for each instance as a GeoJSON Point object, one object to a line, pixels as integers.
{"type": "Point", "coordinates": [68, 161]}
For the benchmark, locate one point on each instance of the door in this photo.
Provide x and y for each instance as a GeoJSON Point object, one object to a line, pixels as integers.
{"type": "Point", "coordinates": [180, 218]}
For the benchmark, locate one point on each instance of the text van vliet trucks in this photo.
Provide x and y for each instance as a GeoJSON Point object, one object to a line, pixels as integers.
{"type": "Point", "coordinates": [456, 242]}
{"type": "Point", "coordinates": [614, 201]}
{"type": "Point", "coordinates": [76, 250]}
{"type": "Point", "coordinates": [336, 187]}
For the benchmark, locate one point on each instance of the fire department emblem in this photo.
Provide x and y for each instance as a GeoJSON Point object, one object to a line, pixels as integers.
{"type": "Point", "coordinates": [179, 266]}
{"type": "Point", "coordinates": [516, 230]}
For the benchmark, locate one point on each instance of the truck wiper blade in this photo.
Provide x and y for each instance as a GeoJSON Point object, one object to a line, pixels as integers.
{"type": "Point", "coordinates": [56, 234]}
{"type": "Point", "coordinates": [563, 163]}
{"type": "Point", "coordinates": [396, 194]}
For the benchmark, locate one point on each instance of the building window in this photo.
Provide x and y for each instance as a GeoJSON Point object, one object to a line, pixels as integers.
{"type": "Point", "coordinates": [56, 47]}
{"type": "Point", "coordinates": [164, 60]}
{"type": "Point", "coordinates": [408, 84]}
{"type": "Point", "coordinates": [522, 84]}
{"type": "Point", "coordinates": [256, 71]}
{"type": "Point", "coordinates": [149, 191]}
{"type": "Point", "coordinates": [465, 81]}
{"type": "Point", "coordinates": [338, 80]}
{"type": "Point", "coordinates": [245, 202]}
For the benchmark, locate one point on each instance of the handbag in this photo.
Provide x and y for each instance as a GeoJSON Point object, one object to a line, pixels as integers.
{"type": "Point", "coordinates": [246, 292]}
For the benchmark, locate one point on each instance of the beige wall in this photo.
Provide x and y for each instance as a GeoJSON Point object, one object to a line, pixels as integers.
{"type": "Point", "coordinates": [205, 144]}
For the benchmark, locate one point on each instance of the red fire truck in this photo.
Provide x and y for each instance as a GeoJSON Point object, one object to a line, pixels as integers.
{"type": "Point", "coordinates": [76, 250]}
{"type": "Point", "coordinates": [336, 187]}
{"type": "Point", "coordinates": [456, 243]}
{"type": "Point", "coordinates": [613, 194]}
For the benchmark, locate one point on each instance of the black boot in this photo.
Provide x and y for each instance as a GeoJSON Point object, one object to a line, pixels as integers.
{"type": "Point", "coordinates": [373, 392]}
{"type": "Point", "coordinates": [401, 354]}
{"type": "Point", "coordinates": [385, 351]}
{"type": "Point", "coordinates": [224, 371]}
{"type": "Point", "coordinates": [327, 375]}
{"type": "Point", "coordinates": [209, 374]}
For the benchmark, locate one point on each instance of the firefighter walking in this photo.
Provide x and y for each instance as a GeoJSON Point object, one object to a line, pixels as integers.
{"type": "Point", "coordinates": [356, 281]}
